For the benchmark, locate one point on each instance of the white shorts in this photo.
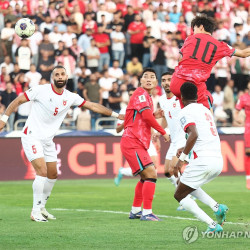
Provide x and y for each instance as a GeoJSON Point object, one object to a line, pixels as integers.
{"type": "Point", "coordinates": [172, 150]}
{"type": "Point", "coordinates": [152, 150]}
{"type": "Point", "coordinates": [35, 149]}
{"type": "Point", "coordinates": [201, 171]}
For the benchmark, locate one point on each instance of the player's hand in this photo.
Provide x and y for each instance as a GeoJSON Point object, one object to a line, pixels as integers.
{"type": "Point", "coordinates": [2, 124]}
{"type": "Point", "coordinates": [155, 137]}
{"type": "Point", "coordinates": [166, 137]}
{"type": "Point", "coordinates": [179, 151]}
{"type": "Point", "coordinates": [121, 117]}
{"type": "Point", "coordinates": [159, 113]}
{"type": "Point", "coordinates": [177, 168]}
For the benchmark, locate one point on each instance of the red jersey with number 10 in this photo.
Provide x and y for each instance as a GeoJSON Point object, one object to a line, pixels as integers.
{"type": "Point", "coordinates": [134, 125]}
{"type": "Point", "coordinates": [200, 52]}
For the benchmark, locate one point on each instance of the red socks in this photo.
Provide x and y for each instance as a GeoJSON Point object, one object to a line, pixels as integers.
{"type": "Point", "coordinates": [148, 191]}
{"type": "Point", "coordinates": [247, 165]}
{"type": "Point", "coordinates": [138, 194]}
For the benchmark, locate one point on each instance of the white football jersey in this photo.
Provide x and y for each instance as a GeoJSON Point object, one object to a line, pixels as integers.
{"type": "Point", "coordinates": [172, 108]}
{"type": "Point", "coordinates": [48, 110]}
{"type": "Point", "coordinates": [208, 142]}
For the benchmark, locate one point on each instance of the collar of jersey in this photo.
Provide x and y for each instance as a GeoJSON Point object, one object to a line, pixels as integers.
{"type": "Point", "coordinates": [55, 91]}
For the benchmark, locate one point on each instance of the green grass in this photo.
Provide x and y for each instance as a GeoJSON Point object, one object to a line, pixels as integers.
{"type": "Point", "coordinates": [88, 228]}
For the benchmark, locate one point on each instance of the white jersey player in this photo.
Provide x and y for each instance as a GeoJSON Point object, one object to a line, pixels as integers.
{"type": "Point", "coordinates": [50, 103]}
{"type": "Point", "coordinates": [206, 163]}
{"type": "Point", "coordinates": [171, 107]}
{"type": "Point", "coordinates": [151, 150]}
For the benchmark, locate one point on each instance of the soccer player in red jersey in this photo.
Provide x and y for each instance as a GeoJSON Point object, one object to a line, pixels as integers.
{"type": "Point", "coordinates": [135, 141]}
{"type": "Point", "coordinates": [200, 52]}
{"type": "Point", "coordinates": [244, 103]}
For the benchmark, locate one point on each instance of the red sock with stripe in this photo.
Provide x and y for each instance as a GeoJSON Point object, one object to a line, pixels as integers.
{"type": "Point", "coordinates": [148, 192]}
{"type": "Point", "coordinates": [247, 169]}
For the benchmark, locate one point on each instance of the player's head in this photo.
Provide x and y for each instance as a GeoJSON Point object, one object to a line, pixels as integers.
{"type": "Point", "coordinates": [165, 81]}
{"type": "Point", "coordinates": [202, 24]}
{"type": "Point", "coordinates": [59, 76]}
{"type": "Point", "coordinates": [148, 79]}
{"type": "Point", "coordinates": [131, 92]}
{"type": "Point", "coordinates": [188, 93]}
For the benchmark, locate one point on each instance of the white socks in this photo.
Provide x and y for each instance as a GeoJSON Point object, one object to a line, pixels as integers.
{"type": "Point", "coordinates": [146, 211]}
{"type": "Point", "coordinates": [173, 180]}
{"type": "Point", "coordinates": [205, 198]}
{"type": "Point", "coordinates": [48, 186]}
{"type": "Point", "coordinates": [136, 210]}
{"type": "Point", "coordinates": [126, 171]}
{"type": "Point", "coordinates": [191, 206]}
{"type": "Point", "coordinates": [38, 186]}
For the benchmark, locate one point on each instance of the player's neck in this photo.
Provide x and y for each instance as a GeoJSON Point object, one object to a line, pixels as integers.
{"type": "Point", "coordinates": [169, 95]}
{"type": "Point", "coordinates": [204, 32]}
{"type": "Point", "coordinates": [58, 90]}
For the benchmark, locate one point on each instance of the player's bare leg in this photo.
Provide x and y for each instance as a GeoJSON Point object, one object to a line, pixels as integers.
{"type": "Point", "coordinates": [122, 172]}
{"type": "Point", "coordinates": [149, 175]}
{"type": "Point", "coordinates": [182, 196]}
{"type": "Point", "coordinates": [38, 186]}
{"type": "Point", "coordinates": [48, 186]}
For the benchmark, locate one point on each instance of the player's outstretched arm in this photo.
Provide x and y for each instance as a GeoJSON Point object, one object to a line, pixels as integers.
{"type": "Point", "coordinates": [98, 108]}
{"type": "Point", "coordinates": [11, 108]}
{"type": "Point", "coordinates": [242, 52]}
{"type": "Point", "coordinates": [119, 128]}
{"type": "Point", "coordinates": [192, 138]}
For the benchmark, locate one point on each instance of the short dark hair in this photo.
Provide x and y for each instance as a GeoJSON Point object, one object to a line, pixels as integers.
{"type": "Point", "coordinates": [170, 72]}
{"type": "Point", "coordinates": [131, 89]}
{"type": "Point", "coordinates": [189, 91]}
{"type": "Point", "coordinates": [148, 70]}
{"type": "Point", "coordinates": [208, 23]}
{"type": "Point", "coordinates": [58, 67]}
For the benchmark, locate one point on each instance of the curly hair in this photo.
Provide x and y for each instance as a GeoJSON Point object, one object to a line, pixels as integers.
{"type": "Point", "coordinates": [208, 23]}
{"type": "Point", "coordinates": [189, 91]}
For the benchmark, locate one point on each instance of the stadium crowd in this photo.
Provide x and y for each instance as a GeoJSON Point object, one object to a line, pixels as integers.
{"type": "Point", "coordinates": [104, 46]}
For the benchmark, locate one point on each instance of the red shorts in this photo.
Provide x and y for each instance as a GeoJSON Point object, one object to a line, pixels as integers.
{"type": "Point", "coordinates": [204, 95]}
{"type": "Point", "coordinates": [136, 154]}
{"type": "Point", "coordinates": [247, 140]}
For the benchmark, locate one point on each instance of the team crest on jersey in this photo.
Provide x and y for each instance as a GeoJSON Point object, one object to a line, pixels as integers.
{"type": "Point", "coordinates": [183, 120]}
{"type": "Point", "coordinates": [174, 104]}
{"type": "Point", "coordinates": [64, 102]}
{"type": "Point", "coordinates": [142, 98]}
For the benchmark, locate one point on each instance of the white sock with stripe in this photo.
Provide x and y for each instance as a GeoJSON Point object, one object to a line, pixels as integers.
{"type": "Point", "coordinates": [38, 186]}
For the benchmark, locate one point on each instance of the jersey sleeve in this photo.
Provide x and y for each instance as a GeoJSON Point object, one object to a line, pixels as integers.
{"type": "Point", "coordinates": [185, 44]}
{"type": "Point", "coordinates": [227, 50]}
{"type": "Point", "coordinates": [32, 93]}
{"type": "Point", "coordinates": [185, 120]}
{"type": "Point", "coordinates": [122, 112]}
{"type": "Point", "coordinates": [79, 101]}
{"type": "Point", "coordinates": [240, 104]}
{"type": "Point", "coordinates": [141, 102]}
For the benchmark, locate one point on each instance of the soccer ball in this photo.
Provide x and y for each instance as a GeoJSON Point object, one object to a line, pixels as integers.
{"type": "Point", "coordinates": [25, 28]}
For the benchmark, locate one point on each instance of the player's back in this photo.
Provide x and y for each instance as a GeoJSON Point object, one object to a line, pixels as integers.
{"type": "Point", "coordinates": [200, 53]}
{"type": "Point", "coordinates": [208, 142]}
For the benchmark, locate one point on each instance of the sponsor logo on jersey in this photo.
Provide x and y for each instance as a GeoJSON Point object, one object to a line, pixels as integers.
{"type": "Point", "coordinates": [142, 98]}
{"type": "Point", "coordinates": [64, 102]}
{"type": "Point", "coordinates": [183, 120]}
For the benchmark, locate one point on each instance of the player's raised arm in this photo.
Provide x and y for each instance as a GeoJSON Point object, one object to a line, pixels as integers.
{"type": "Point", "coordinates": [11, 108]}
{"type": "Point", "coordinates": [242, 52]}
{"type": "Point", "coordinates": [98, 108]}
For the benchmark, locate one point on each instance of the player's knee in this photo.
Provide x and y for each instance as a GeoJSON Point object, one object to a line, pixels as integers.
{"type": "Point", "coordinates": [167, 174]}
{"type": "Point", "coordinates": [154, 180]}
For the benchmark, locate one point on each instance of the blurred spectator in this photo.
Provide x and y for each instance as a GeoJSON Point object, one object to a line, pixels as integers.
{"type": "Point", "coordinates": [218, 97]}
{"type": "Point", "coordinates": [155, 25]}
{"type": "Point", "coordinates": [222, 72]}
{"type": "Point", "coordinates": [52, 11]}
{"type": "Point", "coordinates": [7, 96]}
{"type": "Point", "coordinates": [8, 65]}
{"type": "Point", "coordinates": [242, 13]}
{"type": "Point", "coordinates": [55, 36]}
{"type": "Point", "coordinates": [190, 15]}
{"type": "Point", "coordinates": [129, 17]}
{"type": "Point", "coordinates": [115, 72]}
{"type": "Point", "coordinates": [46, 47]}
{"type": "Point", "coordinates": [115, 98]}
{"type": "Point", "coordinates": [46, 26]}
{"type": "Point", "coordinates": [75, 50]}
{"type": "Point", "coordinates": [10, 16]}
{"type": "Point", "coordinates": [68, 36]}
{"type": "Point", "coordinates": [46, 65]}
{"type": "Point", "coordinates": [228, 102]}
{"type": "Point", "coordinates": [33, 77]}
{"type": "Point", "coordinates": [134, 67]}
{"type": "Point", "coordinates": [89, 23]}
{"type": "Point", "coordinates": [147, 42]}
{"type": "Point", "coordinates": [84, 40]}
{"type": "Point", "coordinates": [93, 93]}
{"type": "Point", "coordinates": [20, 81]}
{"type": "Point", "coordinates": [23, 56]}
{"type": "Point", "coordinates": [14, 73]}
{"type": "Point", "coordinates": [59, 50]}
{"type": "Point", "coordinates": [103, 12]}
{"type": "Point", "coordinates": [105, 83]}
{"type": "Point", "coordinates": [175, 15]}
{"type": "Point", "coordinates": [118, 40]}
{"type": "Point", "coordinates": [136, 30]}
{"type": "Point", "coordinates": [172, 55]}
{"type": "Point", "coordinates": [69, 63]}
{"type": "Point", "coordinates": [182, 27]}
{"type": "Point", "coordinates": [167, 25]}
{"type": "Point", "coordinates": [246, 38]}
{"type": "Point", "coordinates": [40, 15]}
{"type": "Point", "coordinates": [161, 12]}
{"type": "Point", "coordinates": [102, 42]}
{"type": "Point", "coordinates": [93, 56]}
{"type": "Point", "coordinates": [83, 121]}
{"type": "Point", "coordinates": [7, 34]}
{"type": "Point", "coordinates": [62, 28]}
{"type": "Point", "coordinates": [208, 10]}
{"type": "Point", "coordinates": [222, 34]}
{"type": "Point", "coordinates": [78, 17]}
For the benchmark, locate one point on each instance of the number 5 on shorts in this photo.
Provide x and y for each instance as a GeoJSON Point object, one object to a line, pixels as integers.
{"type": "Point", "coordinates": [34, 149]}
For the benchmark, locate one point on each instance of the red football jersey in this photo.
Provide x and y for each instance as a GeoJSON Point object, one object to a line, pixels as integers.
{"type": "Point", "coordinates": [244, 103]}
{"type": "Point", "coordinates": [134, 125]}
{"type": "Point", "coordinates": [200, 52]}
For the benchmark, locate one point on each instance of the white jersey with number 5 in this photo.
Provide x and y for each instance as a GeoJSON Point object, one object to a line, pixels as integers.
{"type": "Point", "coordinates": [171, 108]}
{"type": "Point", "coordinates": [48, 110]}
{"type": "Point", "coordinates": [208, 142]}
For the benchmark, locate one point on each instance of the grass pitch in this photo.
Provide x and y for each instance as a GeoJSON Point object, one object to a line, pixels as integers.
{"type": "Point", "coordinates": [93, 214]}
